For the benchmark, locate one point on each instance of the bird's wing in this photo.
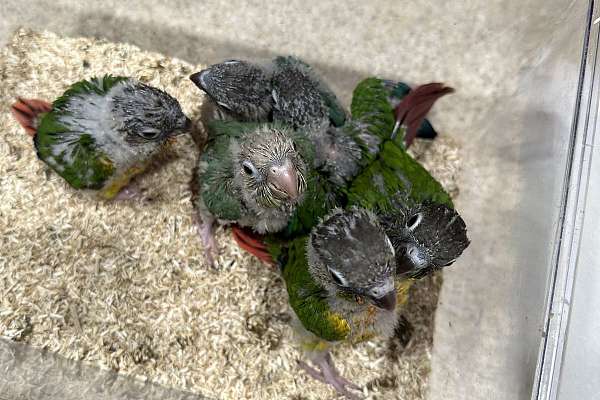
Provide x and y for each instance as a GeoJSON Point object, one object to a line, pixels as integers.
{"type": "Point", "coordinates": [394, 172]}
{"type": "Point", "coordinates": [72, 154]}
{"type": "Point", "coordinates": [215, 179]}
{"type": "Point", "coordinates": [308, 299]}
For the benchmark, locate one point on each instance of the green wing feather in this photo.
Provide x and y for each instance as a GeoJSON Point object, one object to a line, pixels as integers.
{"type": "Point", "coordinates": [308, 299]}
{"type": "Point", "coordinates": [95, 85]}
{"type": "Point", "coordinates": [393, 172]}
{"type": "Point", "coordinates": [370, 106]}
{"type": "Point", "coordinates": [73, 154]}
{"type": "Point", "coordinates": [229, 129]}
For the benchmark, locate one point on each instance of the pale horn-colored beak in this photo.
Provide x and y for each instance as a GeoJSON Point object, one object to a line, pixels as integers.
{"type": "Point", "coordinates": [284, 179]}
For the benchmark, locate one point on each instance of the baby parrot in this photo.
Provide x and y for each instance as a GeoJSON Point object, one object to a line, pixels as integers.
{"type": "Point", "coordinates": [416, 212]}
{"type": "Point", "coordinates": [102, 132]}
{"type": "Point", "coordinates": [341, 285]}
{"type": "Point", "coordinates": [251, 174]}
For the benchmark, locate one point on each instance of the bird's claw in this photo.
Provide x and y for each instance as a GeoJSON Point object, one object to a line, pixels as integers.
{"type": "Point", "coordinates": [329, 375]}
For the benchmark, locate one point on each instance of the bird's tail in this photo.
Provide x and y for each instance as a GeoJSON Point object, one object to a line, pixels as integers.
{"type": "Point", "coordinates": [253, 244]}
{"type": "Point", "coordinates": [414, 107]}
{"type": "Point", "coordinates": [397, 91]}
{"type": "Point", "coordinates": [27, 112]}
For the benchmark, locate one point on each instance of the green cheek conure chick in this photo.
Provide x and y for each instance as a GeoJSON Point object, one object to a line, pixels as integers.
{"type": "Point", "coordinates": [250, 174]}
{"type": "Point", "coordinates": [341, 285]}
{"type": "Point", "coordinates": [102, 132]}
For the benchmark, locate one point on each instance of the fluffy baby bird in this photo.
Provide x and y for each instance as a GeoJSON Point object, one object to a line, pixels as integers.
{"type": "Point", "coordinates": [341, 285]}
{"type": "Point", "coordinates": [253, 175]}
{"type": "Point", "coordinates": [102, 132]}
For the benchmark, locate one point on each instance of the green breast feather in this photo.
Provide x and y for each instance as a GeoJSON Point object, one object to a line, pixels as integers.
{"type": "Point", "coordinates": [71, 153]}
{"type": "Point", "coordinates": [308, 299]}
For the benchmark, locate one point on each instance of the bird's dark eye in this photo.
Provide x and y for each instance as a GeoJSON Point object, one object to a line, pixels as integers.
{"type": "Point", "coordinates": [414, 221]}
{"type": "Point", "coordinates": [249, 168]}
{"type": "Point", "coordinates": [150, 133]}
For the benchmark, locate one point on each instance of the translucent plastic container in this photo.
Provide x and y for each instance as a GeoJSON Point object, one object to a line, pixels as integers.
{"type": "Point", "coordinates": [518, 315]}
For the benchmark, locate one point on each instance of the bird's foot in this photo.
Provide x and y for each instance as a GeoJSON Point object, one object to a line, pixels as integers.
{"type": "Point", "coordinates": [207, 235]}
{"type": "Point", "coordinates": [329, 375]}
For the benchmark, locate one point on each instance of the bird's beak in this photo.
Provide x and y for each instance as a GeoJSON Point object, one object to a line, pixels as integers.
{"type": "Point", "coordinates": [408, 261]}
{"type": "Point", "coordinates": [285, 179]}
{"type": "Point", "coordinates": [199, 79]}
{"type": "Point", "coordinates": [387, 301]}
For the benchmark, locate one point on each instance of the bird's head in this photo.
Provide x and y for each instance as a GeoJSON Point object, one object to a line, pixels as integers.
{"type": "Point", "coordinates": [146, 114]}
{"type": "Point", "coordinates": [269, 168]}
{"type": "Point", "coordinates": [426, 237]}
{"type": "Point", "coordinates": [239, 87]}
{"type": "Point", "coordinates": [349, 253]}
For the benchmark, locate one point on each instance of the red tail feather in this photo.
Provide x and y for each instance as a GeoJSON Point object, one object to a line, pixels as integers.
{"type": "Point", "coordinates": [253, 244]}
{"type": "Point", "coordinates": [27, 111]}
{"type": "Point", "coordinates": [414, 107]}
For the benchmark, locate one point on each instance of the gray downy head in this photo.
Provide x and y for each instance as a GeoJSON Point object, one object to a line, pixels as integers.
{"type": "Point", "coordinates": [349, 252]}
{"type": "Point", "coordinates": [239, 88]}
{"type": "Point", "coordinates": [426, 237]}
{"type": "Point", "coordinates": [146, 114]}
{"type": "Point", "coordinates": [269, 168]}
{"type": "Point", "coordinates": [298, 98]}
